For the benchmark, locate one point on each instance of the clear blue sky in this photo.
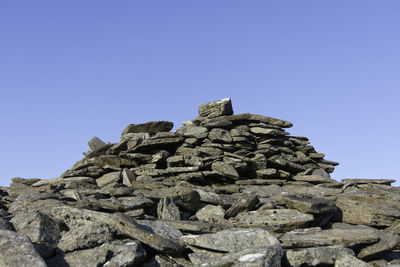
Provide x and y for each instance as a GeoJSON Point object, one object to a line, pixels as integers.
{"type": "Point", "coordinates": [70, 70]}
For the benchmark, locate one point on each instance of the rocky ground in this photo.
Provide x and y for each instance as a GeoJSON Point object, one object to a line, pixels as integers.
{"type": "Point", "coordinates": [223, 190]}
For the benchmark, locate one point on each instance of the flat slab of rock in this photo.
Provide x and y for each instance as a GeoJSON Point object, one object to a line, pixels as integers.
{"type": "Point", "coordinates": [216, 108]}
{"type": "Point", "coordinates": [369, 181]}
{"type": "Point", "coordinates": [315, 256]}
{"type": "Point", "coordinates": [332, 237]}
{"type": "Point", "coordinates": [16, 250]}
{"type": "Point", "coordinates": [277, 220]}
{"type": "Point", "coordinates": [225, 169]}
{"type": "Point", "coordinates": [346, 260]}
{"type": "Point", "coordinates": [258, 118]}
{"type": "Point", "coordinates": [149, 127]}
{"type": "Point", "coordinates": [309, 205]}
{"type": "Point", "coordinates": [368, 210]}
{"type": "Point", "coordinates": [315, 179]}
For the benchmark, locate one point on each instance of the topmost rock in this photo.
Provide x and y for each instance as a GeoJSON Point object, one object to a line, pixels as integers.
{"type": "Point", "coordinates": [216, 108]}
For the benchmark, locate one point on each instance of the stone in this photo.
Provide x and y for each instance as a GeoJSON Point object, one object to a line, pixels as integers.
{"type": "Point", "coordinates": [42, 230]}
{"type": "Point", "coordinates": [258, 119]}
{"type": "Point", "coordinates": [225, 169]}
{"type": "Point", "coordinates": [96, 143]}
{"type": "Point", "coordinates": [263, 191]}
{"type": "Point", "coordinates": [211, 213]}
{"type": "Point", "coordinates": [86, 236]}
{"type": "Point", "coordinates": [369, 181]}
{"type": "Point", "coordinates": [315, 256]}
{"type": "Point", "coordinates": [16, 250]}
{"type": "Point", "coordinates": [5, 225]}
{"type": "Point", "coordinates": [245, 202]}
{"type": "Point", "coordinates": [368, 210]}
{"type": "Point", "coordinates": [197, 132]}
{"type": "Point", "coordinates": [330, 237]}
{"type": "Point", "coordinates": [216, 108]}
{"type": "Point", "coordinates": [92, 257]}
{"type": "Point", "coordinates": [131, 228]}
{"type": "Point", "coordinates": [276, 220]}
{"type": "Point", "coordinates": [128, 177]}
{"type": "Point", "coordinates": [25, 181]}
{"type": "Point", "coordinates": [108, 178]}
{"type": "Point", "coordinates": [266, 173]}
{"type": "Point", "coordinates": [167, 210]}
{"type": "Point", "coordinates": [161, 228]}
{"type": "Point", "coordinates": [314, 179]}
{"type": "Point", "coordinates": [346, 260]}
{"type": "Point", "coordinates": [151, 127]}
{"type": "Point", "coordinates": [219, 135]}
{"type": "Point", "coordinates": [309, 205]}
{"type": "Point", "coordinates": [125, 254]}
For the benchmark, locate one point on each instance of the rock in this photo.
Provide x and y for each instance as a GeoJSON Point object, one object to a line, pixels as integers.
{"type": "Point", "coordinates": [219, 135]}
{"type": "Point", "coordinates": [95, 143]}
{"type": "Point", "coordinates": [125, 254]}
{"type": "Point", "coordinates": [315, 256]}
{"type": "Point", "coordinates": [277, 220]}
{"type": "Point", "coordinates": [193, 131]}
{"type": "Point", "coordinates": [216, 108]}
{"type": "Point", "coordinates": [17, 250]}
{"type": "Point", "coordinates": [238, 247]}
{"type": "Point", "coordinates": [330, 237]}
{"type": "Point", "coordinates": [225, 169]}
{"type": "Point", "coordinates": [211, 213]}
{"type": "Point", "coordinates": [314, 179]}
{"type": "Point", "coordinates": [92, 257]}
{"type": "Point", "coordinates": [151, 127]}
{"type": "Point", "coordinates": [368, 210]}
{"type": "Point", "coordinates": [369, 181]}
{"type": "Point", "coordinates": [263, 191]}
{"type": "Point", "coordinates": [5, 225]}
{"type": "Point", "coordinates": [108, 178]}
{"type": "Point", "coordinates": [266, 173]}
{"type": "Point", "coordinates": [310, 205]}
{"type": "Point", "coordinates": [127, 177]}
{"type": "Point", "coordinates": [167, 210]}
{"type": "Point", "coordinates": [42, 230]}
{"type": "Point", "coordinates": [130, 228]}
{"type": "Point", "coordinates": [245, 202]}
{"type": "Point", "coordinates": [346, 260]}
{"type": "Point", "coordinates": [86, 236]}
{"type": "Point", "coordinates": [161, 228]}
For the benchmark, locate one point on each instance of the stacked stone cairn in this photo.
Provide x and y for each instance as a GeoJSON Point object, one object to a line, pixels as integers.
{"type": "Point", "coordinates": [223, 190]}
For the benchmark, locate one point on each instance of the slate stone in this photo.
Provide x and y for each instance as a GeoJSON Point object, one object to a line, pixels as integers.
{"type": "Point", "coordinates": [193, 131]}
{"type": "Point", "coordinates": [211, 213]}
{"type": "Point", "coordinates": [346, 260]}
{"type": "Point", "coordinates": [315, 256]}
{"type": "Point", "coordinates": [369, 181]}
{"type": "Point", "coordinates": [216, 108]}
{"type": "Point", "coordinates": [225, 169]}
{"type": "Point", "coordinates": [245, 202]}
{"type": "Point", "coordinates": [5, 225]}
{"type": "Point", "coordinates": [124, 254]}
{"type": "Point", "coordinates": [219, 135]}
{"type": "Point", "coordinates": [310, 205]}
{"type": "Point", "coordinates": [277, 220]}
{"type": "Point", "coordinates": [330, 237]}
{"type": "Point", "coordinates": [86, 236]}
{"type": "Point", "coordinates": [16, 250]}
{"type": "Point", "coordinates": [42, 230]}
{"type": "Point", "coordinates": [161, 228]}
{"type": "Point", "coordinates": [108, 178]}
{"type": "Point", "coordinates": [96, 143]}
{"type": "Point", "coordinates": [92, 257]}
{"type": "Point", "coordinates": [167, 210]}
{"type": "Point", "coordinates": [149, 127]}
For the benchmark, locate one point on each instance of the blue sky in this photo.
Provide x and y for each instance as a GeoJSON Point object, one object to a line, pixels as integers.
{"type": "Point", "coordinates": [70, 70]}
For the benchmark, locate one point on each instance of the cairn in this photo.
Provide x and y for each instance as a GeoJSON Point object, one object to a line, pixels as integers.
{"type": "Point", "coordinates": [223, 190]}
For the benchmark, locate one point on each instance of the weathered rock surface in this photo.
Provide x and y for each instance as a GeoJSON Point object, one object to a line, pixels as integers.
{"type": "Point", "coordinates": [223, 190]}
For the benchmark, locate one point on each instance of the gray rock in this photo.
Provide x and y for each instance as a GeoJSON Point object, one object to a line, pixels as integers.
{"type": "Point", "coordinates": [92, 257]}
{"type": "Point", "coordinates": [315, 256]}
{"type": "Point", "coordinates": [346, 260]}
{"type": "Point", "coordinates": [245, 202]}
{"type": "Point", "coordinates": [108, 178]}
{"type": "Point", "coordinates": [161, 228]}
{"type": "Point", "coordinates": [277, 220]}
{"type": "Point", "coordinates": [128, 177]}
{"type": "Point", "coordinates": [263, 191]}
{"type": "Point", "coordinates": [25, 181]}
{"type": "Point", "coordinates": [35, 202]}
{"type": "Point", "coordinates": [125, 254]}
{"type": "Point", "coordinates": [266, 173]}
{"type": "Point", "coordinates": [96, 143]}
{"type": "Point", "coordinates": [5, 225]}
{"type": "Point", "coordinates": [368, 210]}
{"type": "Point", "coordinates": [315, 179]}
{"type": "Point", "coordinates": [310, 205]}
{"type": "Point", "coordinates": [149, 127]}
{"type": "Point", "coordinates": [175, 161]}
{"type": "Point", "coordinates": [210, 197]}
{"type": "Point", "coordinates": [211, 213]}
{"type": "Point", "coordinates": [167, 210]}
{"type": "Point", "coordinates": [225, 169]}
{"type": "Point", "coordinates": [259, 119]}
{"type": "Point", "coordinates": [130, 228]}
{"type": "Point", "coordinates": [42, 230]}
{"type": "Point", "coordinates": [219, 135]}
{"type": "Point", "coordinates": [159, 141]}
{"type": "Point", "coordinates": [86, 236]}
{"type": "Point", "coordinates": [16, 250]}
{"type": "Point", "coordinates": [193, 131]}
{"type": "Point", "coordinates": [216, 108]}
{"type": "Point", "coordinates": [331, 237]}
{"type": "Point", "coordinates": [369, 181]}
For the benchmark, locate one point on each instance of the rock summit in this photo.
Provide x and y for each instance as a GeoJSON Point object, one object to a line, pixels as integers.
{"type": "Point", "coordinates": [225, 189]}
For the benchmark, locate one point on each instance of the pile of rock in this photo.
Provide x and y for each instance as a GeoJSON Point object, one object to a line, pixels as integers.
{"type": "Point", "coordinates": [223, 190]}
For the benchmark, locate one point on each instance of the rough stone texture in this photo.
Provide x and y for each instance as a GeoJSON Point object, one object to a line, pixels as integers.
{"type": "Point", "coordinates": [16, 250]}
{"type": "Point", "coordinates": [315, 256]}
{"type": "Point", "coordinates": [194, 197]}
{"type": "Point", "coordinates": [42, 230]}
{"type": "Point", "coordinates": [149, 127]}
{"type": "Point", "coordinates": [216, 108]}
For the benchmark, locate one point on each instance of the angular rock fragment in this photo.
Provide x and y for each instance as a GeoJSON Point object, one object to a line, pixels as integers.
{"type": "Point", "coordinates": [17, 250]}
{"type": "Point", "coordinates": [219, 135]}
{"type": "Point", "coordinates": [167, 210]}
{"type": "Point", "coordinates": [149, 127]}
{"type": "Point", "coordinates": [210, 213]}
{"type": "Point", "coordinates": [95, 143]}
{"type": "Point", "coordinates": [225, 169]}
{"type": "Point", "coordinates": [346, 260]}
{"type": "Point", "coordinates": [244, 203]}
{"type": "Point", "coordinates": [216, 108]}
